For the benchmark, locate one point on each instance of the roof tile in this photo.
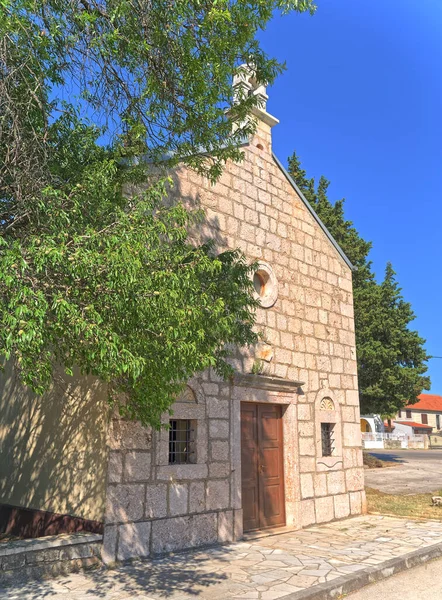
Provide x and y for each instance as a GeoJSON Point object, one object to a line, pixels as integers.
{"type": "Point", "coordinates": [427, 402]}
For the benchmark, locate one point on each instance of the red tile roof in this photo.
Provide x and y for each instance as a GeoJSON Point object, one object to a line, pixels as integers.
{"type": "Point", "coordinates": [427, 402]}
{"type": "Point", "coordinates": [413, 424]}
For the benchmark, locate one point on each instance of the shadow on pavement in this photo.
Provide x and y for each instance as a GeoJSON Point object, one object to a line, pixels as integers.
{"type": "Point", "coordinates": [390, 457]}
{"type": "Point", "coordinates": [158, 578]}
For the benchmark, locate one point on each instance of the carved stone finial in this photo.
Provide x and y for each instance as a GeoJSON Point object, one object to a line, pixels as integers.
{"type": "Point", "coordinates": [245, 84]}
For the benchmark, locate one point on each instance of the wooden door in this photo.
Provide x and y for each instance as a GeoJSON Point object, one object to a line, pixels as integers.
{"type": "Point", "coordinates": [262, 466]}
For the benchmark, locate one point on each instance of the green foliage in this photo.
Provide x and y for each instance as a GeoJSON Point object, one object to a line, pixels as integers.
{"type": "Point", "coordinates": [391, 357]}
{"type": "Point", "coordinates": [96, 99]}
{"type": "Point", "coordinates": [113, 287]}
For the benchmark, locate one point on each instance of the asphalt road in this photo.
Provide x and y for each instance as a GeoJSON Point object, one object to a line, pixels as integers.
{"type": "Point", "coordinates": [419, 583]}
{"type": "Point", "coordinates": [407, 455]}
{"type": "Point", "coordinates": [414, 472]}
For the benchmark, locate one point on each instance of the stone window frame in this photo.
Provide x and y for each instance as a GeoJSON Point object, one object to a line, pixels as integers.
{"type": "Point", "coordinates": [195, 412]}
{"type": "Point", "coordinates": [189, 454]}
{"type": "Point", "coordinates": [334, 462]}
{"type": "Point", "coordinates": [265, 271]}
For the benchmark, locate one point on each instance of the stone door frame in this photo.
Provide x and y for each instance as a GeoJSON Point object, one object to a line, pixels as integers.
{"type": "Point", "coordinates": [263, 389]}
{"type": "Point", "coordinates": [258, 475]}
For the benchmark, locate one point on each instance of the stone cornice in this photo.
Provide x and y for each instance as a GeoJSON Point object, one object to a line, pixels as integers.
{"type": "Point", "coordinates": [265, 382]}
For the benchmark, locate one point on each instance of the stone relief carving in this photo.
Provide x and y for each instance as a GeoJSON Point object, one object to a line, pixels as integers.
{"type": "Point", "coordinates": [187, 395]}
{"type": "Point", "coordinates": [327, 404]}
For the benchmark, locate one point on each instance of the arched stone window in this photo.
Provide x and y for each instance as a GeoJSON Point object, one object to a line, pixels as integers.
{"type": "Point", "coordinates": [182, 447]}
{"type": "Point", "coordinates": [328, 429]}
{"type": "Point", "coordinates": [187, 396]}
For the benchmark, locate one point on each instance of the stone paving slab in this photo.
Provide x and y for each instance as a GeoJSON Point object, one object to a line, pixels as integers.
{"type": "Point", "coordinates": [316, 563]}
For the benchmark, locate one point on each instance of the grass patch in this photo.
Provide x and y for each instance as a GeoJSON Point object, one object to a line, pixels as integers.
{"type": "Point", "coordinates": [371, 462]}
{"type": "Point", "coordinates": [415, 505]}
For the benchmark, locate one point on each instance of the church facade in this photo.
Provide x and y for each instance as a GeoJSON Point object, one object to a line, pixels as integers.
{"type": "Point", "coordinates": [279, 444]}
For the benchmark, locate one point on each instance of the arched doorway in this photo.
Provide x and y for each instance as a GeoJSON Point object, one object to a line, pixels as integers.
{"type": "Point", "coordinates": [365, 426]}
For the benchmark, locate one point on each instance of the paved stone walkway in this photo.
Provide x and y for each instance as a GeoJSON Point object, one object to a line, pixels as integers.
{"type": "Point", "coordinates": [267, 568]}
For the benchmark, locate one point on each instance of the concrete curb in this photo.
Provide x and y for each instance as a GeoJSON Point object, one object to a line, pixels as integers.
{"type": "Point", "coordinates": [340, 587]}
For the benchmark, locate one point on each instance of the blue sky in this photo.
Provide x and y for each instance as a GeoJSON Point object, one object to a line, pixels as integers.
{"type": "Point", "coordinates": [361, 103]}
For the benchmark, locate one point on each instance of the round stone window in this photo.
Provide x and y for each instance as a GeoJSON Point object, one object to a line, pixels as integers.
{"type": "Point", "coordinates": [265, 284]}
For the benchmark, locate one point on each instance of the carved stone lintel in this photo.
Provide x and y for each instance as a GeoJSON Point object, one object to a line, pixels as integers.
{"type": "Point", "coordinates": [265, 382]}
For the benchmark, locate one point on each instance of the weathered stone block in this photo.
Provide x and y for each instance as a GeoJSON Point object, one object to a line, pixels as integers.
{"type": "Point", "coordinates": [307, 490]}
{"type": "Point", "coordinates": [218, 409]}
{"type": "Point", "coordinates": [355, 503]}
{"type": "Point", "coordinates": [307, 447]}
{"type": "Point", "coordinates": [320, 484]}
{"type": "Point", "coordinates": [219, 451]}
{"type": "Point", "coordinates": [129, 435]}
{"type": "Point", "coordinates": [70, 552]}
{"type": "Point", "coordinates": [342, 506]}
{"type": "Point", "coordinates": [198, 471]}
{"type": "Point", "coordinates": [13, 561]}
{"type": "Point", "coordinates": [178, 499]}
{"type": "Point", "coordinates": [352, 434]}
{"type": "Point", "coordinates": [364, 507]}
{"type": "Point", "coordinates": [211, 389]}
{"type": "Point", "coordinates": [307, 513]}
{"type": "Point", "coordinates": [115, 467]}
{"type": "Point", "coordinates": [197, 496]}
{"type": "Point", "coordinates": [218, 470]}
{"type": "Point", "coordinates": [225, 526]}
{"type": "Point", "coordinates": [306, 428]}
{"type": "Point", "coordinates": [156, 501]}
{"type": "Point", "coordinates": [352, 397]}
{"type": "Point", "coordinates": [137, 466]}
{"type": "Point", "coordinates": [348, 414]}
{"type": "Point", "coordinates": [49, 555]}
{"type": "Point", "coordinates": [336, 482]}
{"type": "Point", "coordinates": [219, 428]}
{"type": "Point", "coordinates": [354, 479]}
{"type": "Point", "coordinates": [238, 524]}
{"type": "Point", "coordinates": [109, 549]}
{"type": "Point", "coordinates": [134, 540]}
{"type": "Point", "coordinates": [304, 412]}
{"type": "Point", "coordinates": [307, 464]}
{"type": "Point", "coordinates": [124, 502]}
{"type": "Point", "coordinates": [217, 495]}
{"type": "Point", "coordinates": [324, 509]}
{"type": "Point", "coordinates": [184, 532]}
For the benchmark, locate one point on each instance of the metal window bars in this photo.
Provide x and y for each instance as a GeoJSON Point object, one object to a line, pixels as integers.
{"type": "Point", "coordinates": [181, 442]}
{"type": "Point", "coordinates": [327, 438]}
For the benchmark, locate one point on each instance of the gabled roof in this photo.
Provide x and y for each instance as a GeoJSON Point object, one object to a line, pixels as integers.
{"type": "Point", "coordinates": [427, 402]}
{"type": "Point", "coordinates": [313, 213]}
{"type": "Point", "coordinates": [414, 425]}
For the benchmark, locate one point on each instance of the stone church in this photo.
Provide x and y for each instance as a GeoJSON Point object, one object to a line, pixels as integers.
{"type": "Point", "coordinates": [280, 444]}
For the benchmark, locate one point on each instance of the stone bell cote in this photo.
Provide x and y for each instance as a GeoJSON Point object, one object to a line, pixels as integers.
{"type": "Point", "coordinates": [245, 83]}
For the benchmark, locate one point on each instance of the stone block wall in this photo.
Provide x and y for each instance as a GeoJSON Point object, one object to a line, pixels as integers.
{"type": "Point", "coordinates": [308, 334]}
{"type": "Point", "coordinates": [48, 557]}
{"type": "Point", "coordinates": [309, 331]}
{"type": "Point", "coordinates": [154, 507]}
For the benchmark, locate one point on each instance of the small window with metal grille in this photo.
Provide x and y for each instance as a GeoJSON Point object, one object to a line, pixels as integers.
{"type": "Point", "coordinates": [327, 438]}
{"type": "Point", "coordinates": [182, 441]}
